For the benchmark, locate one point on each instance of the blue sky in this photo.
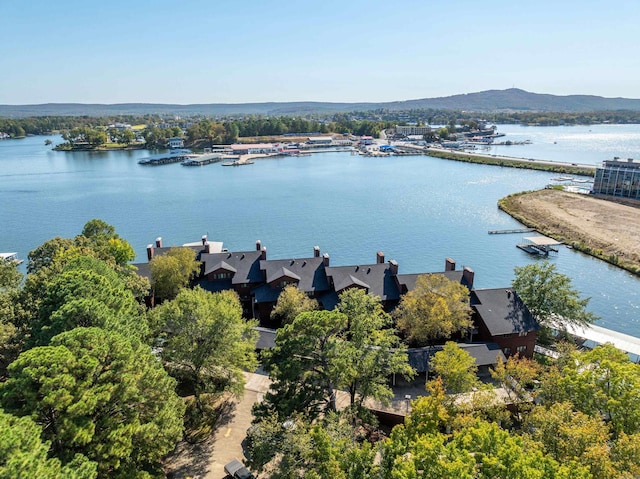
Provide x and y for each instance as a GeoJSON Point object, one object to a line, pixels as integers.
{"type": "Point", "coordinates": [210, 51]}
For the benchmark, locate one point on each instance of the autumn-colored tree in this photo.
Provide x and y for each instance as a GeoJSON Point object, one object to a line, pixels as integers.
{"type": "Point", "coordinates": [172, 271]}
{"type": "Point", "coordinates": [456, 367]}
{"type": "Point", "coordinates": [290, 304]}
{"type": "Point", "coordinates": [435, 309]}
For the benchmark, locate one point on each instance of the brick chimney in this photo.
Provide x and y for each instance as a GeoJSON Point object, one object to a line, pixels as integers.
{"type": "Point", "coordinates": [207, 247]}
{"type": "Point", "coordinates": [393, 266]}
{"type": "Point", "coordinates": [449, 265]}
{"type": "Point", "coordinates": [379, 257]}
{"type": "Point", "coordinates": [316, 251]}
{"type": "Point", "coordinates": [258, 245]}
{"type": "Point", "coordinates": [150, 252]}
{"type": "Point", "coordinates": [467, 275]}
{"type": "Point", "coordinates": [263, 254]}
{"type": "Point", "coordinates": [325, 259]}
{"type": "Point", "coordinates": [204, 239]}
{"type": "Point", "coordinates": [159, 242]}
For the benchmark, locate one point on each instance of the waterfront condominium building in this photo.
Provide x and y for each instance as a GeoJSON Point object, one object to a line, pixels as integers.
{"type": "Point", "coordinates": [619, 178]}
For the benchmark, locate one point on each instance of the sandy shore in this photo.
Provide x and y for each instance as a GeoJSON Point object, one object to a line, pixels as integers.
{"type": "Point", "coordinates": [603, 228]}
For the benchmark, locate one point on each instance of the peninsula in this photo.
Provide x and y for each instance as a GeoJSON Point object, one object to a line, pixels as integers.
{"type": "Point", "coordinates": [602, 228]}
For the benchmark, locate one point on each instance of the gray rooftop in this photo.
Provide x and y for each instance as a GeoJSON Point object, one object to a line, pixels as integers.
{"type": "Point", "coordinates": [375, 278]}
{"type": "Point", "coordinates": [485, 354]}
{"type": "Point", "coordinates": [502, 311]}
{"type": "Point", "coordinates": [244, 264]}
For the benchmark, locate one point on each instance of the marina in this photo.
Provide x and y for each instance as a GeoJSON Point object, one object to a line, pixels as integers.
{"type": "Point", "coordinates": [292, 202]}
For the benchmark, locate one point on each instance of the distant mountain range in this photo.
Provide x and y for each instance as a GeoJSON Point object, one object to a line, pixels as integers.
{"type": "Point", "coordinates": [512, 99]}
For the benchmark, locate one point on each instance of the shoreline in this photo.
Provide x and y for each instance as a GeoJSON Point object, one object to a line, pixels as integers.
{"type": "Point", "coordinates": [531, 164]}
{"type": "Point", "coordinates": [601, 228]}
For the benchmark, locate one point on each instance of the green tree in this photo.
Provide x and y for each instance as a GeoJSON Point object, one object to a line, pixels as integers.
{"type": "Point", "coordinates": [87, 292]}
{"type": "Point", "coordinates": [209, 342]}
{"type": "Point", "coordinates": [44, 255]}
{"type": "Point", "coordinates": [372, 351]}
{"type": "Point", "coordinates": [172, 271]}
{"type": "Point", "coordinates": [23, 454]}
{"type": "Point", "coordinates": [93, 393]}
{"type": "Point", "coordinates": [602, 382]}
{"type": "Point", "coordinates": [456, 367]}
{"type": "Point", "coordinates": [330, 448]}
{"type": "Point", "coordinates": [550, 296]}
{"type": "Point", "coordinates": [303, 364]}
{"type": "Point", "coordinates": [571, 436]}
{"type": "Point", "coordinates": [290, 304]}
{"type": "Point", "coordinates": [515, 376]}
{"type": "Point", "coordinates": [436, 308]}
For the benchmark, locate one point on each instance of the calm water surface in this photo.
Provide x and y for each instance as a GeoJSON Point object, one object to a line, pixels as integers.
{"type": "Point", "coordinates": [417, 210]}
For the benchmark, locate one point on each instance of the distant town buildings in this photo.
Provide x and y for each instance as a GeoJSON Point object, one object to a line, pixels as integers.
{"type": "Point", "coordinates": [409, 130]}
{"type": "Point", "coordinates": [618, 178]}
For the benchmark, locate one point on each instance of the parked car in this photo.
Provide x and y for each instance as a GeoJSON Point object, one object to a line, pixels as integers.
{"type": "Point", "coordinates": [237, 470]}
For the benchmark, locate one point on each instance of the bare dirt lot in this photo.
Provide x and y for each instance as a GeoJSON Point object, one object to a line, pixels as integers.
{"type": "Point", "coordinates": [604, 228]}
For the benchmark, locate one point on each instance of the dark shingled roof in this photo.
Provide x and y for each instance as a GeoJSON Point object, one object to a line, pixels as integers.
{"type": "Point", "coordinates": [309, 272]}
{"type": "Point", "coordinates": [407, 282]}
{"type": "Point", "coordinates": [245, 265]}
{"type": "Point", "coordinates": [266, 338]}
{"type": "Point", "coordinates": [502, 311]}
{"type": "Point", "coordinates": [376, 278]}
{"type": "Point", "coordinates": [485, 354]}
{"type": "Point", "coordinates": [144, 269]}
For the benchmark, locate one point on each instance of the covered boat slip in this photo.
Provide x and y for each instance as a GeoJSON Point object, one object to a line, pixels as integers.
{"type": "Point", "coordinates": [600, 335]}
{"type": "Point", "coordinates": [539, 245]}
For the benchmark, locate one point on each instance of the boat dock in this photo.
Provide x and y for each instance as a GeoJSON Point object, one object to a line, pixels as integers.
{"type": "Point", "coordinates": [600, 335]}
{"type": "Point", "coordinates": [246, 159]}
{"type": "Point", "coordinates": [512, 231]}
{"type": "Point", "coordinates": [540, 245]}
{"type": "Point", "coordinates": [11, 257]}
{"type": "Point", "coordinates": [165, 159]}
{"type": "Point", "coordinates": [201, 160]}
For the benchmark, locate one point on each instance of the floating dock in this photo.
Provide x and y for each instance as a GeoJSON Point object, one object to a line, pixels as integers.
{"type": "Point", "coordinates": [512, 231]}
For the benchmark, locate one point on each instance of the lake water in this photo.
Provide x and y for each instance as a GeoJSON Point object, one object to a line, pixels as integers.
{"type": "Point", "coordinates": [417, 210]}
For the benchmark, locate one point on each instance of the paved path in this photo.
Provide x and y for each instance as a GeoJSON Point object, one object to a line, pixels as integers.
{"type": "Point", "coordinates": [207, 460]}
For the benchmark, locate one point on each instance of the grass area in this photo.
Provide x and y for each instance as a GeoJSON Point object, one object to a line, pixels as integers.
{"type": "Point", "coordinates": [501, 161]}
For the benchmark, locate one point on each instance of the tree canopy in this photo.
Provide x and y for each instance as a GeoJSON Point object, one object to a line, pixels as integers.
{"type": "Point", "coordinates": [291, 302]}
{"type": "Point", "coordinates": [352, 347]}
{"type": "Point", "coordinates": [23, 454]}
{"type": "Point", "coordinates": [208, 343]}
{"type": "Point", "coordinates": [549, 295]}
{"type": "Point", "coordinates": [172, 271]}
{"type": "Point", "coordinates": [456, 367]}
{"type": "Point", "coordinates": [435, 309]}
{"type": "Point", "coordinates": [94, 393]}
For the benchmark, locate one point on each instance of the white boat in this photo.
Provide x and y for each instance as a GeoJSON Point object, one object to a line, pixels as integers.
{"type": "Point", "coordinates": [10, 257]}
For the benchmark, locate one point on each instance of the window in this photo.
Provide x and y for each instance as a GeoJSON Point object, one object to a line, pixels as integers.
{"type": "Point", "coordinates": [522, 349]}
{"type": "Point", "coordinates": [506, 351]}
{"type": "Point", "coordinates": [223, 276]}
{"type": "Point", "coordinates": [522, 333]}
